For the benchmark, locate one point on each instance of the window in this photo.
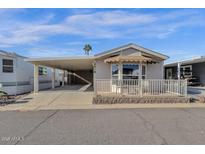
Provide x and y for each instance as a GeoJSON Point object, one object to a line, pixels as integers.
{"type": "Point", "coordinates": [115, 71]}
{"type": "Point", "coordinates": [181, 71]}
{"type": "Point", "coordinates": [42, 70]}
{"type": "Point", "coordinates": [186, 70]}
{"type": "Point", "coordinates": [7, 65]}
{"type": "Point", "coordinates": [130, 71]}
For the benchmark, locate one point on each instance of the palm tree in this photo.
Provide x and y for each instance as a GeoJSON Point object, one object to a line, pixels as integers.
{"type": "Point", "coordinates": [87, 48]}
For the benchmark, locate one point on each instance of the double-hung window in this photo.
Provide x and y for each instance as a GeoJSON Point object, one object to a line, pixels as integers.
{"type": "Point", "coordinates": [115, 71]}
{"type": "Point", "coordinates": [7, 66]}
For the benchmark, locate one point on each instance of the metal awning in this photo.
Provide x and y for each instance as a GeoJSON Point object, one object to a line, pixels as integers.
{"type": "Point", "coordinates": [129, 59]}
{"type": "Point", "coordinates": [65, 63]}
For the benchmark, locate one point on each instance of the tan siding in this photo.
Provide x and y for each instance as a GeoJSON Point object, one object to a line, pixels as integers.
{"type": "Point", "coordinates": [103, 70]}
{"type": "Point", "coordinates": [155, 71]}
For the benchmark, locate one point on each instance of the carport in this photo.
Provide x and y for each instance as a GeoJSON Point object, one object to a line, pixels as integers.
{"type": "Point", "coordinates": [79, 67]}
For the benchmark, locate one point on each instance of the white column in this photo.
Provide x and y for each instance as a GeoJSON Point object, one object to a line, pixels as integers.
{"type": "Point", "coordinates": [63, 78]}
{"type": "Point", "coordinates": [140, 78]}
{"type": "Point", "coordinates": [120, 71]}
{"type": "Point", "coordinates": [120, 77]}
{"type": "Point", "coordinates": [53, 78]}
{"type": "Point", "coordinates": [36, 79]}
{"type": "Point", "coordinates": [178, 70]}
{"type": "Point", "coordinates": [140, 70]}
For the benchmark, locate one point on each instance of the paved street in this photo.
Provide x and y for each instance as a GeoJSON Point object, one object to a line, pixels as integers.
{"type": "Point", "coordinates": [120, 126]}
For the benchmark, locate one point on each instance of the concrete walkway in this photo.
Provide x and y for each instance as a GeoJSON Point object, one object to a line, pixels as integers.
{"type": "Point", "coordinates": [72, 97]}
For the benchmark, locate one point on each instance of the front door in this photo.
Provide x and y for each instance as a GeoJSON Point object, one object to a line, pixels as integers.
{"type": "Point", "coordinates": [169, 73]}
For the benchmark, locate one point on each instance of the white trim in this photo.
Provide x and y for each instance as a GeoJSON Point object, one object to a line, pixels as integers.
{"type": "Point", "coordinates": [58, 58]}
{"type": "Point", "coordinates": [131, 46]}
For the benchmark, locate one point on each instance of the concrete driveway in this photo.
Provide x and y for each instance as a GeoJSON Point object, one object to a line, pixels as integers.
{"type": "Point", "coordinates": [51, 99]}
{"type": "Point", "coordinates": [127, 126]}
{"type": "Point", "coordinates": [196, 91]}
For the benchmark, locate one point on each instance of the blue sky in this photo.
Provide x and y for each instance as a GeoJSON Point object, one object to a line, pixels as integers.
{"type": "Point", "coordinates": [178, 33]}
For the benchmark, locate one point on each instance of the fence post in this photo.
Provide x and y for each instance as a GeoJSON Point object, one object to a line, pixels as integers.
{"type": "Point", "coordinates": [95, 87]}
{"type": "Point", "coordinates": [178, 87]}
{"type": "Point", "coordinates": [121, 87]}
{"type": "Point", "coordinates": [110, 85]}
{"type": "Point", "coordinates": [185, 88]}
{"type": "Point", "coordinates": [141, 87]}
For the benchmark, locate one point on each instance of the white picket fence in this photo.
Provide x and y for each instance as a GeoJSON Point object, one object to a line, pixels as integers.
{"type": "Point", "coordinates": [143, 87]}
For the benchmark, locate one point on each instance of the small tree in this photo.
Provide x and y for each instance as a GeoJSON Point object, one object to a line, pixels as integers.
{"type": "Point", "coordinates": [87, 48]}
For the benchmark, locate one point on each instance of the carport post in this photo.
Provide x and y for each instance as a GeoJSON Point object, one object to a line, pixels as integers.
{"type": "Point", "coordinates": [69, 77]}
{"type": "Point", "coordinates": [63, 78]}
{"type": "Point", "coordinates": [53, 78]}
{"type": "Point", "coordinates": [178, 70]}
{"type": "Point", "coordinates": [36, 79]}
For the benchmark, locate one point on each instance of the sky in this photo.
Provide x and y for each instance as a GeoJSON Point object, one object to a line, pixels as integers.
{"type": "Point", "coordinates": [178, 33]}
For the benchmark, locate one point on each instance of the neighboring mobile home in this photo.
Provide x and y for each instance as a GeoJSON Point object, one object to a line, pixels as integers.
{"type": "Point", "coordinates": [16, 75]}
{"type": "Point", "coordinates": [126, 69]}
{"type": "Point", "coordinates": [192, 69]}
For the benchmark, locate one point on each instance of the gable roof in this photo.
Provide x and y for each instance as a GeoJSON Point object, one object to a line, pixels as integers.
{"type": "Point", "coordinates": [10, 54]}
{"type": "Point", "coordinates": [132, 45]}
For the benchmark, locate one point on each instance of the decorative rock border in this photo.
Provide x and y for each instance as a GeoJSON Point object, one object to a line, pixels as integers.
{"type": "Point", "coordinates": [201, 99]}
{"type": "Point", "coordinates": [139, 100]}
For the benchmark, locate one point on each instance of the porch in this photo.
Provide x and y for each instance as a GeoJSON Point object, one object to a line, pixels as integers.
{"type": "Point", "coordinates": [141, 91]}
{"type": "Point", "coordinates": [140, 87]}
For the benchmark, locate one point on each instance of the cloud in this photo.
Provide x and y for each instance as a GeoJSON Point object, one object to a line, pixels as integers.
{"type": "Point", "coordinates": [106, 24]}
{"type": "Point", "coordinates": [45, 51]}
{"type": "Point", "coordinates": [179, 55]}
{"type": "Point", "coordinates": [77, 43]}
{"type": "Point", "coordinates": [111, 18]}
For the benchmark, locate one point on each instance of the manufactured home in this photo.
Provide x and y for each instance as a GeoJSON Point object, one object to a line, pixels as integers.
{"type": "Point", "coordinates": [127, 70]}
{"type": "Point", "coordinates": [191, 69]}
{"type": "Point", "coordinates": [16, 75]}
